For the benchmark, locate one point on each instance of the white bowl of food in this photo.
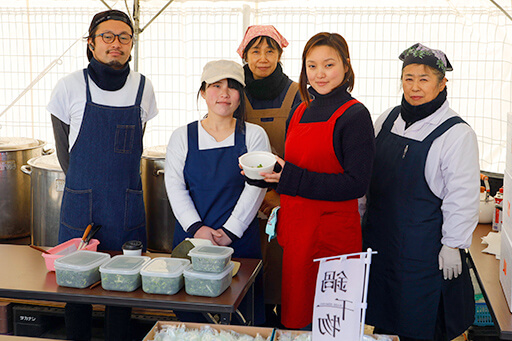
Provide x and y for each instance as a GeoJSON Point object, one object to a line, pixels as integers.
{"type": "Point", "coordinates": [255, 162]}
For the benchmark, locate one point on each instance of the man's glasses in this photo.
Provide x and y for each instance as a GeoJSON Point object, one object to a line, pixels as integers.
{"type": "Point", "coordinates": [109, 37]}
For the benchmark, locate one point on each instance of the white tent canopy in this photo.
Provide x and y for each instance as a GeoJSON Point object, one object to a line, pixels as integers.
{"type": "Point", "coordinates": [42, 40]}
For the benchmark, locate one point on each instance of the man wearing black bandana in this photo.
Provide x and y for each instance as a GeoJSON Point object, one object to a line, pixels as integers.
{"type": "Point", "coordinates": [422, 209]}
{"type": "Point", "coordinates": [98, 116]}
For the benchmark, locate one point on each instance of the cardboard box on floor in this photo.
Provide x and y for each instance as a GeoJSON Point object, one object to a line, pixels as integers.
{"type": "Point", "coordinates": [252, 331]}
{"type": "Point", "coordinates": [293, 333]}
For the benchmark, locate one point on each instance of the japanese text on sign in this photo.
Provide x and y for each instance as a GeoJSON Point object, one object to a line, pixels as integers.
{"type": "Point", "coordinates": [339, 304]}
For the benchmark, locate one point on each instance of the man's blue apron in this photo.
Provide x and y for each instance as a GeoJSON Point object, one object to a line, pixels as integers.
{"type": "Point", "coordinates": [103, 183]}
{"type": "Point", "coordinates": [403, 224]}
{"type": "Point", "coordinates": [215, 184]}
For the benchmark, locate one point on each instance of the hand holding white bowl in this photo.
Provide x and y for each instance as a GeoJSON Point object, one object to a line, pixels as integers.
{"type": "Point", "coordinates": [273, 176]}
{"type": "Point", "coordinates": [254, 163]}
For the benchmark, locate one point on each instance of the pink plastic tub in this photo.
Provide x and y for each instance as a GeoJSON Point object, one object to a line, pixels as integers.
{"type": "Point", "coordinates": [72, 244]}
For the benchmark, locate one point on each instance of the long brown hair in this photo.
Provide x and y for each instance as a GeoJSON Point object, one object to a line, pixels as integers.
{"type": "Point", "coordinates": [338, 43]}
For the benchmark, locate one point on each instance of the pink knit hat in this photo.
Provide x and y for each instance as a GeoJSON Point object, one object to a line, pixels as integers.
{"type": "Point", "coordinates": [258, 31]}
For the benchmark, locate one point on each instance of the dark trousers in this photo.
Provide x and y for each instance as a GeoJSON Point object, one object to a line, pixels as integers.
{"type": "Point", "coordinates": [78, 318]}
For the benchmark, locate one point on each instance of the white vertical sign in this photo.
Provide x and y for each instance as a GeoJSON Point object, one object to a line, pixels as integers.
{"type": "Point", "coordinates": [340, 301]}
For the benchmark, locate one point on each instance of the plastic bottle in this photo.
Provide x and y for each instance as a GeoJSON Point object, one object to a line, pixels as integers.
{"type": "Point", "coordinates": [497, 218]}
{"type": "Point", "coordinates": [486, 207]}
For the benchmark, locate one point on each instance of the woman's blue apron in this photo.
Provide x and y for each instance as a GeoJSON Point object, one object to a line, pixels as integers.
{"type": "Point", "coordinates": [215, 184]}
{"type": "Point", "coordinates": [103, 183]}
{"type": "Point", "coordinates": [403, 224]}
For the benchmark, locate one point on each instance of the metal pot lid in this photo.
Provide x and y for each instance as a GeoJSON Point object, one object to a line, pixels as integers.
{"type": "Point", "coordinates": [156, 152]}
{"type": "Point", "coordinates": [17, 143]}
{"type": "Point", "coordinates": [49, 162]}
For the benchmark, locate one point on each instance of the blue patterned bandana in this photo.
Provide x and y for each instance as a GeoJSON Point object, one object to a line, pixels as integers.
{"type": "Point", "coordinates": [421, 54]}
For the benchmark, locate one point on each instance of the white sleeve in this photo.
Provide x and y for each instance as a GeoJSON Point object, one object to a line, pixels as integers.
{"type": "Point", "coordinates": [59, 103]}
{"type": "Point", "coordinates": [251, 198]}
{"type": "Point", "coordinates": [148, 107]}
{"type": "Point", "coordinates": [456, 180]}
{"type": "Point", "coordinates": [182, 205]}
{"type": "Point", "coordinates": [380, 120]}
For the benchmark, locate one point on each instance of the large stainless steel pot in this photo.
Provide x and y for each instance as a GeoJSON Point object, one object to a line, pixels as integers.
{"type": "Point", "coordinates": [160, 220]}
{"type": "Point", "coordinates": [46, 187]}
{"type": "Point", "coordinates": [14, 186]}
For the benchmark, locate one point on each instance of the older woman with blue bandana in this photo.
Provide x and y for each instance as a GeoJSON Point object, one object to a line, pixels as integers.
{"type": "Point", "coordinates": [422, 208]}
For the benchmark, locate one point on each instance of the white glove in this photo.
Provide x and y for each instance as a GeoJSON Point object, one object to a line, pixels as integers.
{"type": "Point", "coordinates": [449, 262]}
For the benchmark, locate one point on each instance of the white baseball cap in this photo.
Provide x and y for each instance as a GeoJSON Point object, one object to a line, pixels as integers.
{"type": "Point", "coordinates": [217, 70]}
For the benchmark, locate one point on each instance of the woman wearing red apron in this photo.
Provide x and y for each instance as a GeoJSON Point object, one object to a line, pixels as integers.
{"type": "Point", "coordinates": [329, 153]}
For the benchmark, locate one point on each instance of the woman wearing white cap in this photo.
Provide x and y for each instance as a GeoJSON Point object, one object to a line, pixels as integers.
{"type": "Point", "coordinates": [270, 95]}
{"type": "Point", "coordinates": [422, 208]}
{"type": "Point", "coordinates": [208, 195]}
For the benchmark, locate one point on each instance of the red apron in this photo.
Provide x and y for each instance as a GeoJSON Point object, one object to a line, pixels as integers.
{"type": "Point", "coordinates": [310, 229]}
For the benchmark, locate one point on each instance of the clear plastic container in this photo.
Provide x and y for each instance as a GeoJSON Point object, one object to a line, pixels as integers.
{"type": "Point", "coordinates": [209, 284]}
{"type": "Point", "coordinates": [210, 258]}
{"type": "Point", "coordinates": [122, 273]}
{"type": "Point", "coordinates": [163, 275]}
{"type": "Point", "coordinates": [66, 248]}
{"type": "Point", "coordinates": [80, 268]}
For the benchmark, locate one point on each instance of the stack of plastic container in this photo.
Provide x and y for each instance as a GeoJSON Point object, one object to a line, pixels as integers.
{"type": "Point", "coordinates": [211, 270]}
{"type": "Point", "coordinates": [163, 275]}
{"type": "Point", "coordinates": [506, 228]}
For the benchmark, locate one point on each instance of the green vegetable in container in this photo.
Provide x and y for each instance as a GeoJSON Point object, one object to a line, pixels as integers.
{"type": "Point", "coordinates": [162, 285]}
{"type": "Point", "coordinates": [77, 279]}
{"type": "Point", "coordinates": [209, 264]}
{"type": "Point", "coordinates": [206, 287]}
{"type": "Point", "coordinates": [118, 282]}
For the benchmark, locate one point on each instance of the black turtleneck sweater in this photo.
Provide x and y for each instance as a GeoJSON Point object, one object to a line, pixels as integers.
{"type": "Point", "coordinates": [354, 146]}
{"type": "Point", "coordinates": [107, 78]}
{"type": "Point", "coordinates": [268, 93]}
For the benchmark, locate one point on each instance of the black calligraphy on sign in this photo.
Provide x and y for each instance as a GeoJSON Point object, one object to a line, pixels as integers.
{"type": "Point", "coordinates": [343, 305]}
{"type": "Point", "coordinates": [335, 281]}
{"type": "Point", "coordinates": [329, 325]}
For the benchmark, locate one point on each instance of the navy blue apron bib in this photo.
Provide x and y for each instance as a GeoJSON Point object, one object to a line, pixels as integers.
{"type": "Point", "coordinates": [403, 224]}
{"type": "Point", "coordinates": [103, 183]}
{"type": "Point", "coordinates": [214, 182]}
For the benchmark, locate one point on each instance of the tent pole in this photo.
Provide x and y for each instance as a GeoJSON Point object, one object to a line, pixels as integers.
{"type": "Point", "coordinates": [104, 3]}
{"type": "Point", "coordinates": [156, 15]}
{"type": "Point", "coordinates": [136, 31]}
{"type": "Point", "coordinates": [501, 9]}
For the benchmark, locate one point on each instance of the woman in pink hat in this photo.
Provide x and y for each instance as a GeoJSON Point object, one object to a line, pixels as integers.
{"type": "Point", "coordinates": [270, 95]}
